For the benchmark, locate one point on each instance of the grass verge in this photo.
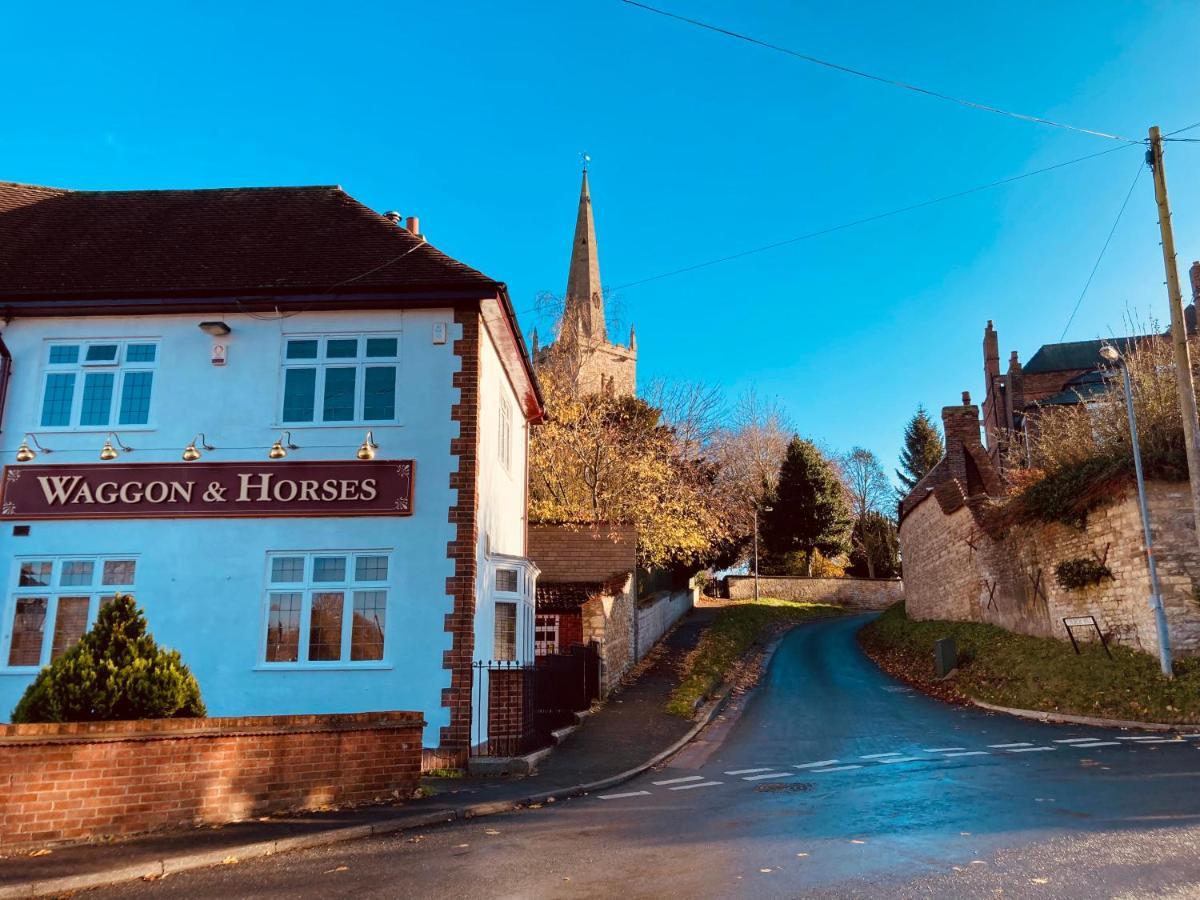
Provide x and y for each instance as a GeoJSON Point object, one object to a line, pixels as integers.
{"type": "Point", "coordinates": [737, 628]}
{"type": "Point", "coordinates": [1044, 674]}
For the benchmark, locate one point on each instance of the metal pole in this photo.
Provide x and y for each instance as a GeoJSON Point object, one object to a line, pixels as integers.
{"type": "Point", "coordinates": [1183, 362]}
{"type": "Point", "coordinates": [1160, 616]}
{"type": "Point", "coordinates": [756, 554]}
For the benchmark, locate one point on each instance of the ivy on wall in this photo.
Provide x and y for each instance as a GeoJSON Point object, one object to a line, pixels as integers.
{"type": "Point", "coordinates": [1075, 574]}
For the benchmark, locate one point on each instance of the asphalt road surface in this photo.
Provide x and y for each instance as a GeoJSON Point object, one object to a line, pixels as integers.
{"type": "Point", "coordinates": [835, 781]}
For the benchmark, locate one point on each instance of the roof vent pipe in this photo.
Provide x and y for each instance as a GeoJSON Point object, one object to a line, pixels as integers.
{"type": "Point", "coordinates": [414, 225]}
{"type": "Point", "coordinates": [392, 216]}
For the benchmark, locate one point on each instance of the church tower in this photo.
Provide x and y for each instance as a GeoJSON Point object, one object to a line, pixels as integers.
{"type": "Point", "coordinates": [582, 349]}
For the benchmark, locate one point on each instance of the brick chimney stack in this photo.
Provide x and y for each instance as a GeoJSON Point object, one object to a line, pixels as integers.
{"type": "Point", "coordinates": [960, 425]}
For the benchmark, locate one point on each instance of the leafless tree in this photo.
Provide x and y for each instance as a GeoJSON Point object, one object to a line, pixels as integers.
{"type": "Point", "coordinates": [694, 410]}
{"type": "Point", "coordinates": [867, 485]}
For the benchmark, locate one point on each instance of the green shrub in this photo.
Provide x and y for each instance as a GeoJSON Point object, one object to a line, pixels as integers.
{"type": "Point", "coordinates": [1074, 574]}
{"type": "Point", "coordinates": [116, 671]}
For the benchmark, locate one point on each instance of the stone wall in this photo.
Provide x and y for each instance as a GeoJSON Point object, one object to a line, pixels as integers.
{"type": "Point", "coordinates": [860, 593]}
{"type": "Point", "coordinates": [91, 780]}
{"type": "Point", "coordinates": [952, 570]}
{"type": "Point", "coordinates": [608, 620]}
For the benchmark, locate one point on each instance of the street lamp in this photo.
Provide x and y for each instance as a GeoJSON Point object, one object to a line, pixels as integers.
{"type": "Point", "coordinates": [1110, 355]}
{"type": "Point", "coordinates": [757, 510]}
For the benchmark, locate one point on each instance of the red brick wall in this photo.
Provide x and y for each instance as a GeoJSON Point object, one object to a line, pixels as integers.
{"type": "Point", "coordinates": [89, 780]}
{"type": "Point", "coordinates": [460, 622]}
{"type": "Point", "coordinates": [508, 729]}
{"type": "Point", "coordinates": [586, 554]}
{"type": "Point", "coordinates": [570, 630]}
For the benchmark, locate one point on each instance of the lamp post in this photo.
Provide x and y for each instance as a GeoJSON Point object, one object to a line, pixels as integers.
{"type": "Point", "coordinates": [757, 510]}
{"type": "Point", "coordinates": [1111, 355]}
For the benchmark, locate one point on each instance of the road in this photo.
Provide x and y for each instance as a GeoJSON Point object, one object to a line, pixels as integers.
{"type": "Point", "coordinates": [833, 781]}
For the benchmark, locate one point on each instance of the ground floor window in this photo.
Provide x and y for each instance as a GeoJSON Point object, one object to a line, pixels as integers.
{"type": "Point", "coordinates": [506, 632]}
{"type": "Point", "coordinates": [326, 607]}
{"type": "Point", "coordinates": [55, 600]}
{"type": "Point", "coordinates": [545, 635]}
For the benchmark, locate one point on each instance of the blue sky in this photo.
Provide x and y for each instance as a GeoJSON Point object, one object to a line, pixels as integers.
{"type": "Point", "coordinates": [472, 114]}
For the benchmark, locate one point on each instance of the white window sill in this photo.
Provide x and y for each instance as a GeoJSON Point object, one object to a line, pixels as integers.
{"type": "Point", "coordinates": [298, 427]}
{"type": "Point", "coordinates": [93, 429]}
{"type": "Point", "coordinates": [323, 667]}
{"type": "Point", "coordinates": [20, 670]}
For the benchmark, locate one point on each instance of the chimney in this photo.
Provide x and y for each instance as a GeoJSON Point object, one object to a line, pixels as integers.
{"type": "Point", "coordinates": [1195, 273]}
{"type": "Point", "coordinates": [392, 216]}
{"type": "Point", "coordinates": [414, 225]}
{"type": "Point", "coordinates": [960, 424]}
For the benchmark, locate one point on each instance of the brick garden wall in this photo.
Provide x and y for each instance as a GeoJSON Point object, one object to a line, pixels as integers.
{"type": "Point", "coordinates": [88, 780]}
{"type": "Point", "coordinates": [954, 571]}
{"type": "Point", "coordinates": [865, 593]}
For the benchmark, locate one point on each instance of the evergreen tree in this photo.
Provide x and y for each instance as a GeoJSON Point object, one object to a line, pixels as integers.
{"type": "Point", "coordinates": [809, 510]}
{"type": "Point", "coordinates": [922, 449]}
{"type": "Point", "coordinates": [116, 671]}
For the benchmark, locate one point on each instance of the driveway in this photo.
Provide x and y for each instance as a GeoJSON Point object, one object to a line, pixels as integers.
{"type": "Point", "coordinates": [834, 780]}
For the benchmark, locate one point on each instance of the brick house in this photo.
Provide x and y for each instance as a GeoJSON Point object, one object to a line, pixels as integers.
{"type": "Point", "coordinates": [290, 426]}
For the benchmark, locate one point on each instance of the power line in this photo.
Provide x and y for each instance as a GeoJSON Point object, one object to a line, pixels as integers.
{"type": "Point", "coordinates": [1087, 284]}
{"type": "Point", "coordinates": [866, 219]}
{"type": "Point", "coordinates": [971, 104]}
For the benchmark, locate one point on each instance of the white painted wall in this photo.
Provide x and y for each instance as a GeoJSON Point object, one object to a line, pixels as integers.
{"type": "Point", "coordinates": [655, 619]}
{"type": "Point", "coordinates": [202, 581]}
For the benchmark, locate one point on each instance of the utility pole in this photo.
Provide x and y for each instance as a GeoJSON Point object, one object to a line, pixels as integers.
{"type": "Point", "coordinates": [1183, 360]}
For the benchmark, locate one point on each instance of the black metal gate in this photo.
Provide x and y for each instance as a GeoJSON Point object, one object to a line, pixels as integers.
{"type": "Point", "coordinates": [525, 703]}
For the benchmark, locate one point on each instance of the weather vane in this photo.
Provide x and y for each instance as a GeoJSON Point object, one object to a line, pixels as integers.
{"type": "Point", "coordinates": [585, 159]}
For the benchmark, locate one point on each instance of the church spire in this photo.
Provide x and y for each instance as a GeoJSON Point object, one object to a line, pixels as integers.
{"type": "Point", "coordinates": [584, 302]}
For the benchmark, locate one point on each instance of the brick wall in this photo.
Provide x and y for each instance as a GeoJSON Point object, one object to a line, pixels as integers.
{"type": "Point", "coordinates": [952, 570]}
{"type": "Point", "coordinates": [88, 780]}
{"type": "Point", "coordinates": [864, 593]}
{"type": "Point", "coordinates": [508, 727]}
{"type": "Point", "coordinates": [582, 554]}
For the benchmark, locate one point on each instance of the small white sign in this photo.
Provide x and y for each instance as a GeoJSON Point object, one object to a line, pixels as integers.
{"type": "Point", "coordinates": [1079, 620]}
{"type": "Point", "coordinates": [219, 352]}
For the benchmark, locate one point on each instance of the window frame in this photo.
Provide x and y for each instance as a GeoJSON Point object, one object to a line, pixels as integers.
{"type": "Point", "coordinates": [504, 434]}
{"type": "Point", "coordinates": [322, 363]}
{"type": "Point", "coordinates": [516, 630]}
{"type": "Point", "coordinates": [547, 622]}
{"type": "Point", "coordinates": [54, 592]}
{"type": "Point", "coordinates": [307, 587]}
{"type": "Point", "coordinates": [120, 367]}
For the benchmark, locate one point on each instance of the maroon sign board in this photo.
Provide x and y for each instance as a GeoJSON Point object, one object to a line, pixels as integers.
{"type": "Point", "coordinates": [220, 490]}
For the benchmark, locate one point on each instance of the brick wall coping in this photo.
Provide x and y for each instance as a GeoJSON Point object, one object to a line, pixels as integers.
{"type": "Point", "coordinates": [762, 577]}
{"type": "Point", "coordinates": [212, 727]}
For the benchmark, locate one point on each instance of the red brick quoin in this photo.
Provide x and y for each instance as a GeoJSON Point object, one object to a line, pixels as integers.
{"type": "Point", "coordinates": [86, 780]}
{"type": "Point", "coordinates": [460, 621]}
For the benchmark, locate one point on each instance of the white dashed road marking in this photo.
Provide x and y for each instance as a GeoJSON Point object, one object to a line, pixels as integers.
{"type": "Point", "coordinates": [1095, 744]}
{"type": "Point", "coordinates": [699, 784]}
{"type": "Point", "coordinates": [679, 780]}
{"type": "Point", "coordinates": [746, 771]}
{"type": "Point", "coordinates": [969, 753]}
{"type": "Point", "coordinates": [620, 796]}
{"type": "Point", "coordinates": [878, 755]}
{"type": "Point", "coordinates": [1007, 746]}
{"type": "Point", "coordinates": [838, 768]}
{"type": "Point", "coordinates": [769, 775]}
{"type": "Point", "coordinates": [1075, 741]}
{"type": "Point", "coordinates": [811, 765]}
{"type": "Point", "coordinates": [1029, 749]}
{"type": "Point", "coordinates": [941, 749]}
{"type": "Point", "coordinates": [903, 759]}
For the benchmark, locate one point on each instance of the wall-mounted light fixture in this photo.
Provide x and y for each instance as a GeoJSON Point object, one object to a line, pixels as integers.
{"type": "Point", "coordinates": [279, 449]}
{"type": "Point", "coordinates": [216, 329]}
{"type": "Point", "coordinates": [190, 453]}
{"type": "Point", "coordinates": [25, 453]}
{"type": "Point", "coordinates": [368, 448]}
{"type": "Point", "coordinates": [108, 452]}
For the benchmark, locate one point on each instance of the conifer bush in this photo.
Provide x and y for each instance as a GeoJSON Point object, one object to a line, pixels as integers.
{"type": "Point", "coordinates": [116, 671]}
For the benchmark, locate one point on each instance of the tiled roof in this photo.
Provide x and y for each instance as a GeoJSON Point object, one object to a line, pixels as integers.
{"type": "Point", "coordinates": [1074, 355]}
{"type": "Point", "coordinates": [564, 596]}
{"type": "Point", "coordinates": [277, 240]}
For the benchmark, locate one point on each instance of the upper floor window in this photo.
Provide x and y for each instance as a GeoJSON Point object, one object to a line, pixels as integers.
{"type": "Point", "coordinates": [98, 384]}
{"type": "Point", "coordinates": [342, 378]}
{"type": "Point", "coordinates": [505, 433]}
{"type": "Point", "coordinates": [55, 601]}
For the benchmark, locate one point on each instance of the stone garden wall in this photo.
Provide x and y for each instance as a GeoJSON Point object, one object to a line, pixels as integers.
{"type": "Point", "coordinates": [860, 593]}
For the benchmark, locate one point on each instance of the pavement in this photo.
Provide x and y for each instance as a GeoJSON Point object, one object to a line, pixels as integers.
{"type": "Point", "coordinates": [833, 781]}
{"type": "Point", "coordinates": [624, 733]}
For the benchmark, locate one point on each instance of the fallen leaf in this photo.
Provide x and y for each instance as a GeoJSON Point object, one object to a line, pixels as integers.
{"type": "Point", "coordinates": [42, 852]}
{"type": "Point", "coordinates": [857, 841]}
{"type": "Point", "coordinates": [535, 806]}
{"type": "Point", "coordinates": [802, 854]}
{"type": "Point", "coordinates": [978, 862]}
{"type": "Point", "coordinates": [765, 871]}
{"type": "Point", "coordinates": [229, 860]}
{"type": "Point", "coordinates": [965, 833]}
{"type": "Point", "coordinates": [336, 869]}
{"type": "Point", "coordinates": [460, 846]}
{"type": "Point", "coordinates": [416, 839]}
{"type": "Point", "coordinates": [1039, 880]}
{"type": "Point", "coordinates": [491, 831]}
